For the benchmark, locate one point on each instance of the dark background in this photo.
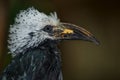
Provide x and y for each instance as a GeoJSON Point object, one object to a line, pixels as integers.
{"type": "Point", "coordinates": [80, 60]}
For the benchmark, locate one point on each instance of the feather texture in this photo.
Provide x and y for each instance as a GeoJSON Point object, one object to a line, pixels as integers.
{"type": "Point", "coordinates": [29, 21]}
{"type": "Point", "coordinates": [43, 63]}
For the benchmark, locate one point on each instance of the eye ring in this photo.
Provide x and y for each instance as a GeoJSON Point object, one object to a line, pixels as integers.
{"type": "Point", "coordinates": [48, 28]}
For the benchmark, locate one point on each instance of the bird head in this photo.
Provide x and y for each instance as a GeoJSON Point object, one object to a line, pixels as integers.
{"type": "Point", "coordinates": [31, 28]}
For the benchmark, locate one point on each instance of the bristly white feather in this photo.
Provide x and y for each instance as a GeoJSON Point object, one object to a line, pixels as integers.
{"type": "Point", "coordinates": [27, 21]}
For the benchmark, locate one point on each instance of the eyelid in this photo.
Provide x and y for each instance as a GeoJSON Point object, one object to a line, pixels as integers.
{"type": "Point", "coordinates": [48, 26]}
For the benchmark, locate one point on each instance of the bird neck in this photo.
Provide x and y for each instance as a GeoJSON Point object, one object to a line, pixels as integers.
{"type": "Point", "coordinates": [40, 63]}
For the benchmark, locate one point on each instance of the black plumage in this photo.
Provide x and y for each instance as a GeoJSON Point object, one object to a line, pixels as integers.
{"type": "Point", "coordinates": [40, 63]}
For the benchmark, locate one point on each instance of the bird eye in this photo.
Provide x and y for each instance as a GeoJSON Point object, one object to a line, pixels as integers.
{"type": "Point", "coordinates": [48, 28]}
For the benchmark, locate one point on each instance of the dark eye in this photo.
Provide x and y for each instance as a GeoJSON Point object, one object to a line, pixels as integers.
{"type": "Point", "coordinates": [48, 28]}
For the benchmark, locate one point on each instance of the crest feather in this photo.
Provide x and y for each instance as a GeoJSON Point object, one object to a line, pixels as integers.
{"type": "Point", "coordinates": [27, 21]}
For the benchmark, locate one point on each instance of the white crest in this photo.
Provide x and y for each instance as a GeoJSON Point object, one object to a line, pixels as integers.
{"type": "Point", "coordinates": [29, 21]}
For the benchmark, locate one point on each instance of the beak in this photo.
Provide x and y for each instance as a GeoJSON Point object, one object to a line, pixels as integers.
{"type": "Point", "coordinates": [67, 31]}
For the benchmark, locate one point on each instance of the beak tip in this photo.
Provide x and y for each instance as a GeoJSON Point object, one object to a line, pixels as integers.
{"type": "Point", "coordinates": [94, 40]}
{"type": "Point", "coordinates": [97, 43]}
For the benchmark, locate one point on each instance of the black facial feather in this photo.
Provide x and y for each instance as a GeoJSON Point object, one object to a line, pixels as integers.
{"type": "Point", "coordinates": [31, 34]}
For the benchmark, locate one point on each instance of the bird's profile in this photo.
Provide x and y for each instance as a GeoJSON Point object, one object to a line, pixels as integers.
{"type": "Point", "coordinates": [33, 43]}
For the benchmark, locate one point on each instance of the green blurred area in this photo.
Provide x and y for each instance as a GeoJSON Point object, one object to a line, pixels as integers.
{"type": "Point", "coordinates": [80, 60]}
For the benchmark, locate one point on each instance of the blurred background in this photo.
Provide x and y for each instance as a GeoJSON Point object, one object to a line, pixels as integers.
{"type": "Point", "coordinates": [80, 60]}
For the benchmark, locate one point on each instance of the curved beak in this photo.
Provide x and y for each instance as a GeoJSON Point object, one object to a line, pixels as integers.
{"type": "Point", "coordinates": [67, 31]}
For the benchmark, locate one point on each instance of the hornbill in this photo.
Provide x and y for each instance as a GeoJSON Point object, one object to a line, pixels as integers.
{"type": "Point", "coordinates": [32, 42]}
